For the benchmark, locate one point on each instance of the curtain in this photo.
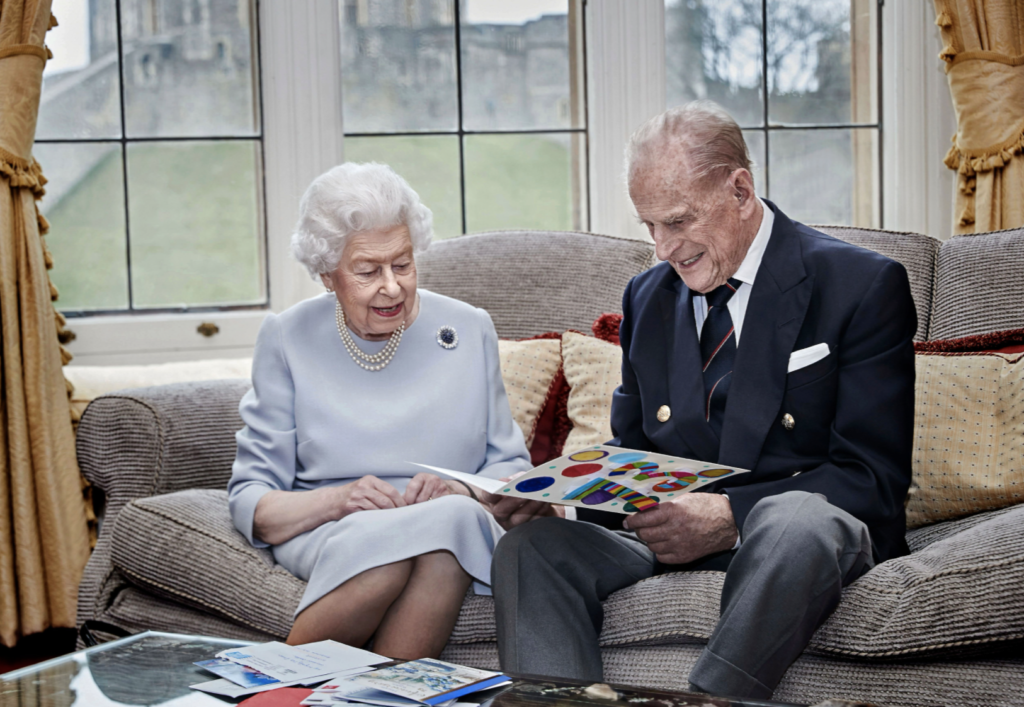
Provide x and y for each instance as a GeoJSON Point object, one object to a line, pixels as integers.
{"type": "Point", "coordinates": [44, 540]}
{"type": "Point", "coordinates": [983, 47]}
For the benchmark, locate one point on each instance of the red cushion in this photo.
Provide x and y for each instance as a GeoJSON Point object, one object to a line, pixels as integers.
{"type": "Point", "coordinates": [606, 328]}
{"type": "Point", "coordinates": [1007, 341]}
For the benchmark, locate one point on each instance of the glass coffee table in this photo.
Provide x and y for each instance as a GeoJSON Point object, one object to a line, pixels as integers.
{"type": "Point", "coordinates": [148, 668]}
{"type": "Point", "coordinates": [155, 668]}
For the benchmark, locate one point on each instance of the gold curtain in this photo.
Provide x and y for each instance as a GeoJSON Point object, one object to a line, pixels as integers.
{"type": "Point", "coordinates": [983, 47]}
{"type": "Point", "coordinates": [44, 539]}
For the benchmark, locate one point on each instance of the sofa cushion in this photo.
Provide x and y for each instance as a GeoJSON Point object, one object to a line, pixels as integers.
{"type": "Point", "coordinates": [528, 370]}
{"type": "Point", "coordinates": [969, 427]}
{"type": "Point", "coordinates": [535, 281]}
{"type": "Point", "coordinates": [183, 546]}
{"type": "Point", "coordinates": [137, 610]}
{"type": "Point", "coordinates": [916, 252]}
{"type": "Point", "coordinates": [593, 369]}
{"type": "Point", "coordinates": [979, 285]}
{"type": "Point", "coordinates": [966, 583]}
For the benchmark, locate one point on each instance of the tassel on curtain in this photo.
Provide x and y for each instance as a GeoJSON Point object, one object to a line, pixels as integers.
{"type": "Point", "coordinates": [983, 48]}
{"type": "Point", "coordinates": [44, 539]}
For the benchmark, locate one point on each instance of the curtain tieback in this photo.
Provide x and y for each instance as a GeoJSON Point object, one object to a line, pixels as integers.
{"type": "Point", "coordinates": [29, 49]}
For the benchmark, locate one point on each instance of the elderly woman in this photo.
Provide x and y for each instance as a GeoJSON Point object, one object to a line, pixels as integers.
{"type": "Point", "coordinates": [350, 388]}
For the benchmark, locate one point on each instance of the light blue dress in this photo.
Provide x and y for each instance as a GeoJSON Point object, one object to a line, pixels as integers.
{"type": "Point", "coordinates": [315, 418]}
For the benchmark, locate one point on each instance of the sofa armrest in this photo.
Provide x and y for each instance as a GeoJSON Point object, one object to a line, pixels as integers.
{"type": "Point", "coordinates": [150, 441]}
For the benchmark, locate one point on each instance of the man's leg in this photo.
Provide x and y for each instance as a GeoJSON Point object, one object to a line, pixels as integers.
{"type": "Point", "coordinates": [549, 578]}
{"type": "Point", "coordinates": [798, 553]}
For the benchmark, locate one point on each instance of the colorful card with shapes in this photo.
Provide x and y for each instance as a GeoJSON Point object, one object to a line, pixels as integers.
{"type": "Point", "coordinates": [615, 479]}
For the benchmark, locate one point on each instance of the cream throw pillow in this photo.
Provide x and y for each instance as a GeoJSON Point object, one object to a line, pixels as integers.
{"type": "Point", "coordinates": [969, 429]}
{"type": "Point", "coordinates": [528, 368]}
{"type": "Point", "coordinates": [93, 381]}
{"type": "Point", "coordinates": [593, 369]}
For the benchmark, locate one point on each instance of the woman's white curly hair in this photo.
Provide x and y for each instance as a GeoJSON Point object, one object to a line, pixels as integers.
{"type": "Point", "coordinates": [351, 198]}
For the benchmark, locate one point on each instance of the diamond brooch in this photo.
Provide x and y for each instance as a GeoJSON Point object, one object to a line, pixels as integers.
{"type": "Point", "coordinates": [447, 337]}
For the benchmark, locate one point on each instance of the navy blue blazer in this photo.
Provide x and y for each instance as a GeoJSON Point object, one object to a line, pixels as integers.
{"type": "Point", "coordinates": [854, 410]}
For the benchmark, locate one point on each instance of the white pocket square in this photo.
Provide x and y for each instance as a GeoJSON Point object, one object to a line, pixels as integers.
{"type": "Point", "coordinates": [805, 357]}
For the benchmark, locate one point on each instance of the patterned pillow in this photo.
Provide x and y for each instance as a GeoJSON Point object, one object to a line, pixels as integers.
{"type": "Point", "coordinates": [593, 369]}
{"type": "Point", "coordinates": [528, 369]}
{"type": "Point", "coordinates": [969, 427]}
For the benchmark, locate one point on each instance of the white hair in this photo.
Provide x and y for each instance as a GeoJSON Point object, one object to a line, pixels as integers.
{"type": "Point", "coordinates": [351, 198]}
{"type": "Point", "coordinates": [712, 140]}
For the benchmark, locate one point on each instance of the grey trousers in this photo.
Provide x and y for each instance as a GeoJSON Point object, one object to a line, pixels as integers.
{"type": "Point", "coordinates": [550, 576]}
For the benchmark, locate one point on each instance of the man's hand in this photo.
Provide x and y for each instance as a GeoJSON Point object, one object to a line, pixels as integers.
{"type": "Point", "coordinates": [367, 494]}
{"type": "Point", "coordinates": [424, 487]}
{"type": "Point", "coordinates": [511, 511]}
{"type": "Point", "coordinates": [687, 528]}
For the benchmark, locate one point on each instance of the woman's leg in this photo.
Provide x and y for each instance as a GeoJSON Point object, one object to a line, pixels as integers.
{"type": "Point", "coordinates": [352, 612]}
{"type": "Point", "coordinates": [421, 619]}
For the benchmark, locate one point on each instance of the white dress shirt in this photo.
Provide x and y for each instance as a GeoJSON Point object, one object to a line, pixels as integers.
{"type": "Point", "coordinates": [747, 271]}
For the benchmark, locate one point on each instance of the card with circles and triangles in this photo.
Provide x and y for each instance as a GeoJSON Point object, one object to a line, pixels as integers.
{"type": "Point", "coordinates": [610, 479]}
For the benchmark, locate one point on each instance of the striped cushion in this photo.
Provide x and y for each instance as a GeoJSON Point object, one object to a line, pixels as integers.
{"type": "Point", "coordinates": [979, 285]}
{"type": "Point", "coordinates": [915, 252]}
{"type": "Point", "coordinates": [535, 281]}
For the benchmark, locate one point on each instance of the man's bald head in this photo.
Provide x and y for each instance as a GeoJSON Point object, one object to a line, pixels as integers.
{"type": "Point", "coordinates": [701, 134]}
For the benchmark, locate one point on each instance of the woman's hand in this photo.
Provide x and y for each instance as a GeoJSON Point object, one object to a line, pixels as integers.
{"type": "Point", "coordinates": [424, 487]}
{"type": "Point", "coordinates": [511, 511]}
{"type": "Point", "coordinates": [367, 494]}
{"type": "Point", "coordinates": [282, 515]}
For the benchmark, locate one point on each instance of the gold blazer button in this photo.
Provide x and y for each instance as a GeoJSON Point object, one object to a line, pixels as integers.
{"type": "Point", "coordinates": [788, 422]}
{"type": "Point", "coordinates": [664, 412]}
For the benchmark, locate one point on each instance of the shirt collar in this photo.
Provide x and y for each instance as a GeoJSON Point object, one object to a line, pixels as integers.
{"type": "Point", "coordinates": [752, 261]}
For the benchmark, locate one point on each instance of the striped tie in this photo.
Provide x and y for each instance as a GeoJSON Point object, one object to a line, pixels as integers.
{"type": "Point", "coordinates": [717, 353]}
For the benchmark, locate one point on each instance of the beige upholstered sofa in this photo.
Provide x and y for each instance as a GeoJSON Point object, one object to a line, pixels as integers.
{"type": "Point", "coordinates": [943, 625]}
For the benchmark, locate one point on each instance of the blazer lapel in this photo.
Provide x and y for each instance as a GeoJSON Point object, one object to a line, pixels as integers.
{"type": "Point", "coordinates": [775, 314]}
{"type": "Point", "coordinates": [682, 361]}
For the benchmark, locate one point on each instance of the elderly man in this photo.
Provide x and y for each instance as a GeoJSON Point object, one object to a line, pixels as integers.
{"type": "Point", "coordinates": [758, 343]}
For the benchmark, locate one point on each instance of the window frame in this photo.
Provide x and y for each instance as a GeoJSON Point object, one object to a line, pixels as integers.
{"type": "Point", "coordinates": [300, 76]}
{"type": "Point", "coordinates": [300, 68]}
{"type": "Point", "coordinates": [124, 141]}
{"type": "Point", "coordinates": [577, 7]}
{"type": "Point", "coordinates": [627, 40]}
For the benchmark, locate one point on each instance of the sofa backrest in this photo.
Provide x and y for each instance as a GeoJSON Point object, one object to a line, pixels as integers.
{"type": "Point", "coordinates": [533, 282]}
{"type": "Point", "coordinates": [979, 285]}
{"type": "Point", "coordinates": [917, 253]}
{"type": "Point", "coordinates": [152, 441]}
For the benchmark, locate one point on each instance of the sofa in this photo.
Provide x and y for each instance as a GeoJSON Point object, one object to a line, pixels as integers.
{"type": "Point", "coordinates": [944, 625]}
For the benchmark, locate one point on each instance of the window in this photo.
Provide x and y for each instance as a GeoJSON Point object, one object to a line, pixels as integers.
{"type": "Point", "coordinates": [479, 104]}
{"type": "Point", "coordinates": [150, 135]}
{"type": "Point", "coordinates": [801, 77]}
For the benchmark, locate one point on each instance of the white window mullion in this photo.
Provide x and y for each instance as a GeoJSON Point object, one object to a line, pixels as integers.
{"type": "Point", "coordinates": [626, 86]}
{"type": "Point", "coordinates": [918, 119]}
{"type": "Point", "coordinates": [302, 128]}
{"type": "Point", "coordinates": [302, 119]}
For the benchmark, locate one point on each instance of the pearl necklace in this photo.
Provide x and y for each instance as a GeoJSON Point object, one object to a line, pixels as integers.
{"type": "Point", "coordinates": [370, 362]}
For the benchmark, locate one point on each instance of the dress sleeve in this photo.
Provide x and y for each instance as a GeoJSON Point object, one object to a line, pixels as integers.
{"type": "Point", "coordinates": [506, 449]}
{"type": "Point", "coordinates": [265, 460]}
